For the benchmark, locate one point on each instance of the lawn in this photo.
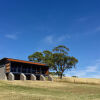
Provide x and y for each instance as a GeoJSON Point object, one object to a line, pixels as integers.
{"type": "Point", "coordinates": [44, 90]}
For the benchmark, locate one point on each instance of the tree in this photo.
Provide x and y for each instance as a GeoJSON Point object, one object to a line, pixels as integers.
{"type": "Point", "coordinates": [62, 60]}
{"type": "Point", "coordinates": [36, 57]}
{"type": "Point", "coordinates": [58, 59]}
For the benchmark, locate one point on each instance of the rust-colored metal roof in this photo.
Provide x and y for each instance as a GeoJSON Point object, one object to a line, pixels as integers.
{"type": "Point", "coordinates": [22, 61]}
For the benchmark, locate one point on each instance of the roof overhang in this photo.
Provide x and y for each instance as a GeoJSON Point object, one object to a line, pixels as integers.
{"type": "Point", "coordinates": [23, 61]}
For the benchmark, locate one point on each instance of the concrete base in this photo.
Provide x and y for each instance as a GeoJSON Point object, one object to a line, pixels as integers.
{"type": "Point", "coordinates": [33, 77]}
{"type": "Point", "coordinates": [5, 77]}
{"type": "Point", "coordinates": [50, 78]}
{"type": "Point", "coordinates": [22, 76]}
{"type": "Point", "coordinates": [42, 78]}
{"type": "Point", "coordinates": [11, 76]}
{"type": "Point", "coordinates": [2, 73]}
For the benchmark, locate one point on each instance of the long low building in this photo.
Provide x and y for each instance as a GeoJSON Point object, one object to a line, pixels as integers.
{"type": "Point", "coordinates": [14, 69]}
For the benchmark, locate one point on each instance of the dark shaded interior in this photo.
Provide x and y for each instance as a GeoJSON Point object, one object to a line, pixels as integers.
{"type": "Point", "coordinates": [17, 76]}
{"type": "Point", "coordinates": [28, 77]}
{"type": "Point", "coordinates": [7, 75]}
{"type": "Point", "coordinates": [28, 68]}
{"type": "Point", "coordinates": [37, 77]}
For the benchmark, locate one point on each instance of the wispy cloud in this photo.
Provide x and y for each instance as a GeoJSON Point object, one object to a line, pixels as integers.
{"type": "Point", "coordinates": [97, 29]}
{"type": "Point", "coordinates": [89, 71]}
{"type": "Point", "coordinates": [82, 19]}
{"type": "Point", "coordinates": [63, 37]}
{"type": "Point", "coordinates": [93, 31]}
{"type": "Point", "coordinates": [11, 36]}
{"type": "Point", "coordinates": [56, 39]}
{"type": "Point", "coordinates": [49, 39]}
{"type": "Point", "coordinates": [92, 68]}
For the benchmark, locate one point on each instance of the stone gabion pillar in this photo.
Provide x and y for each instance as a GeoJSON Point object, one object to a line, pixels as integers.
{"type": "Point", "coordinates": [5, 77]}
{"type": "Point", "coordinates": [42, 78]}
{"type": "Point", "coordinates": [11, 76]}
{"type": "Point", "coordinates": [22, 76]}
{"type": "Point", "coordinates": [50, 78]}
{"type": "Point", "coordinates": [33, 77]}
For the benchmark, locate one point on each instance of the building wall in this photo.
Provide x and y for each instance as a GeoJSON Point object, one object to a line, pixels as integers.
{"type": "Point", "coordinates": [2, 73]}
{"type": "Point", "coordinates": [16, 67]}
{"type": "Point", "coordinates": [7, 67]}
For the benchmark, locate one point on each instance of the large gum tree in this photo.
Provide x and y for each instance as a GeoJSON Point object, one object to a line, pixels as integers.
{"type": "Point", "coordinates": [58, 59]}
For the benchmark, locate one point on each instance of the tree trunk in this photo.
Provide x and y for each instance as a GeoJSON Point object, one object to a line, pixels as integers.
{"type": "Point", "coordinates": [61, 75]}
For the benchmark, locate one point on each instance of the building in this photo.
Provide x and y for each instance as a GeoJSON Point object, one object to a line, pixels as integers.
{"type": "Point", "coordinates": [14, 69]}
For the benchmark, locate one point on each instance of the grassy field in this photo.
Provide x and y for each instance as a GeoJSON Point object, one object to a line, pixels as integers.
{"type": "Point", "coordinates": [44, 90]}
{"type": "Point", "coordinates": [78, 80]}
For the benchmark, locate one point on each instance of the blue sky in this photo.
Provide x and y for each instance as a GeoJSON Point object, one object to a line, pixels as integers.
{"type": "Point", "coordinates": [27, 26]}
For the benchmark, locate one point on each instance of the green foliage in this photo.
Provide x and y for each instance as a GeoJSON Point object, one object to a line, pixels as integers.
{"type": "Point", "coordinates": [61, 49]}
{"type": "Point", "coordinates": [36, 57]}
{"type": "Point", "coordinates": [75, 76]}
{"type": "Point", "coordinates": [53, 73]}
{"type": "Point", "coordinates": [58, 59]}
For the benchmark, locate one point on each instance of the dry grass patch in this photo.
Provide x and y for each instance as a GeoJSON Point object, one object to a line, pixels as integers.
{"type": "Point", "coordinates": [78, 80]}
{"type": "Point", "coordinates": [45, 90]}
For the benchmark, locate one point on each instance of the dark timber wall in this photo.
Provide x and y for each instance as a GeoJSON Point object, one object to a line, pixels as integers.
{"type": "Point", "coordinates": [27, 68]}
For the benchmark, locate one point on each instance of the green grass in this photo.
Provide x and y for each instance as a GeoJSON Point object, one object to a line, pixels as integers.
{"type": "Point", "coordinates": [44, 90]}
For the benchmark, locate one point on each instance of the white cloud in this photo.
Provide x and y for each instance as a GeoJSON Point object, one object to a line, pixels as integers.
{"type": "Point", "coordinates": [95, 76]}
{"type": "Point", "coordinates": [97, 29]}
{"type": "Point", "coordinates": [89, 71]}
{"type": "Point", "coordinates": [63, 37]}
{"type": "Point", "coordinates": [82, 19]}
{"type": "Point", "coordinates": [92, 68]}
{"type": "Point", "coordinates": [56, 39]}
{"type": "Point", "coordinates": [11, 36]}
{"type": "Point", "coordinates": [93, 31]}
{"type": "Point", "coordinates": [49, 39]}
